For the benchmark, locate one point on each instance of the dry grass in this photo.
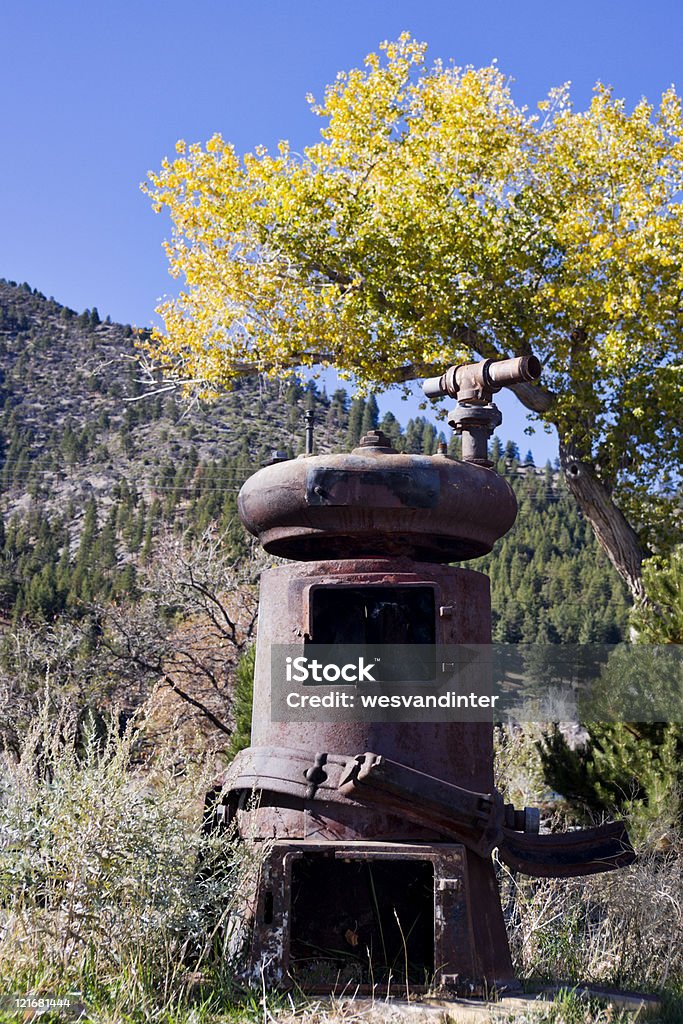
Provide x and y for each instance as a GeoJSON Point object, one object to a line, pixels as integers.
{"type": "Point", "coordinates": [99, 891]}
{"type": "Point", "coordinates": [622, 928]}
{"type": "Point", "coordinates": [107, 883]}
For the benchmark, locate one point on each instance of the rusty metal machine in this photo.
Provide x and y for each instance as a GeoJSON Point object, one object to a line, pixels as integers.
{"type": "Point", "coordinates": [380, 834]}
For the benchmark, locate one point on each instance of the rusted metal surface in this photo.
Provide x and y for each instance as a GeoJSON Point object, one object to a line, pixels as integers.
{"type": "Point", "coordinates": [457, 753]}
{"type": "Point", "coordinates": [586, 851]}
{"type": "Point", "coordinates": [475, 819]}
{"type": "Point", "coordinates": [478, 382]}
{"type": "Point", "coordinates": [304, 938]}
{"type": "Point", "coordinates": [478, 820]}
{"type": "Point", "coordinates": [375, 502]}
{"type": "Point", "coordinates": [475, 424]}
{"type": "Point", "coordinates": [379, 822]}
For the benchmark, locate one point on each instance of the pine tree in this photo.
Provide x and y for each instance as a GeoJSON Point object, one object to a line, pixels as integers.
{"type": "Point", "coordinates": [634, 768]}
{"type": "Point", "coordinates": [495, 450]}
{"type": "Point", "coordinates": [414, 436]}
{"type": "Point", "coordinates": [354, 430]}
{"type": "Point", "coordinates": [511, 451]}
{"type": "Point", "coordinates": [70, 445]}
{"type": "Point", "coordinates": [370, 419]}
{"type": "Point", "coordinates": [391, 428]}
{"type": "Point", "coordinates": [153, 520]}
{"type": "Point", "coordinates": [455, 446]}
{"type": "Point", "coordinates": [428, 438]}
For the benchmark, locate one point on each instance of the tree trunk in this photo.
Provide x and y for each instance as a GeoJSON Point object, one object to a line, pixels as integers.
{"type": "Point", "coordinates": [615, 535]}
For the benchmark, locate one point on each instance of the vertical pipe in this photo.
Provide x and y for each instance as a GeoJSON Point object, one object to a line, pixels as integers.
{"type": "Point", "coordinates": [309, 418]}
{"type": "Point", "coordinates": [475, 442]}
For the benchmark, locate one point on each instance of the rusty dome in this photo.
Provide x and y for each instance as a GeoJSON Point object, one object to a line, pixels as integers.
{"type": "Point", "coordinates": [375, 502]}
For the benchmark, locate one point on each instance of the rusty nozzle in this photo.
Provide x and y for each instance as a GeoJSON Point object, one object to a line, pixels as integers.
{"type": "Point", "coordinates": [478, 382]}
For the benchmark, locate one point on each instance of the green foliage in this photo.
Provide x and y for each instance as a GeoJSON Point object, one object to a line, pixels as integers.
{"type": "Point", "coordinates": [633, 768]}
{"type": "Point", "coordinates": [550, 583]}
{"type": "Point", "coordinates": [243, 702]}
{"type": "Point", "coordinates": [98, 550]}
{"type": "Point", "coordinates": [661, 620]}
{"type": "Point", "coordinates": [435, 221]}
{"type": "Point", "coordinates": [628, 768]}
{"type": "Point", "coordinates": [72, 565]}
{"type": "Point", "coordinates": [99, 886]}
{"type": "Point", "coordinates": [355, 428]}
{"type": "Point", "coordinates": [370, 415]}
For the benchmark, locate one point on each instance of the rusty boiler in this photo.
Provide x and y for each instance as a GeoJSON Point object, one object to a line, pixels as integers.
{"type": "Point", "coordinates": [379, 871]}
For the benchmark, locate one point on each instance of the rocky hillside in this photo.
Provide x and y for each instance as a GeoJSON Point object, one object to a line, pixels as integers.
{"type": "Point", "coordinates": [119, 537]}
{"type": "Point", "coordinates": [74, 423]}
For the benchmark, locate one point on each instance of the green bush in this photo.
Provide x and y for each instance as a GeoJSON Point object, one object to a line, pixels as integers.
{"type": "Point", "coordinates": [99, 882]}
{"type": "Point", "coordinates": [634, 767]}
{"type": "Point", "coordinates": [243, 702]}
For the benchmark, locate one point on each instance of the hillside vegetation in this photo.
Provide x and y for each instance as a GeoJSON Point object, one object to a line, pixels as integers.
{"type": "Point", "coordinates": [117, 508]}
{"type": "Point", "coordinates": [128, 613]}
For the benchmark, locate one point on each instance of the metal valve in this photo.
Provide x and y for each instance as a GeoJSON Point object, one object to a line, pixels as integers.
{"type": "Point", "coordinates": [475, 417]}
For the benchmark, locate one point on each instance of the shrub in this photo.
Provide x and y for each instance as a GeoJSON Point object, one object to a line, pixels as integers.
{"type": "Point", "coordinates": [622, 928]}
{"type": "Point", "coordinates": [99, 881]}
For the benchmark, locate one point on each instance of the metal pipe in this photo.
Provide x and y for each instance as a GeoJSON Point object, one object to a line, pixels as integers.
{"type": "Point", "coordinates": [475, 443]}
{"type": "Point", "coordinates": [309, 419]}
{"type": "Point", "coordinates": [435, 387]}
{"type": "Point", "coordinates": [479, 381]}
{"type": "Point", "coordinates": [513, 371]}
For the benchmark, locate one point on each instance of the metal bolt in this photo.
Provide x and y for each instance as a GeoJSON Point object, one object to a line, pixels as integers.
{"type": "Point", "coordinates": [376, 439]}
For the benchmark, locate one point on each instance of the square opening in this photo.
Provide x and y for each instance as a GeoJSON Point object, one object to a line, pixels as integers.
{"type": "Point", "coordinates": [361, 921]}
{"type": "Point", "coordinates": [372, 615]}
{"type": "Point", "coordinates": [398, 624]}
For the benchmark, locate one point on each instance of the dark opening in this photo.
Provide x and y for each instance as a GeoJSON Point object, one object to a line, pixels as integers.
{"type": "Point", "coordinates": [379, 616]}
{"type": "Point", "coordinates": [361, 921]}
{"type": "Point", "coordinates": [373, 615]}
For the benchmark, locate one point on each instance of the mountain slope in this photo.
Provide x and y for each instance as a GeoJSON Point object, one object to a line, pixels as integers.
{"type": "Point", "coordinates": [93, 476]}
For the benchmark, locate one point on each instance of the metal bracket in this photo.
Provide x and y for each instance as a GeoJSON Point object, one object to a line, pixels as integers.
{"type": "Point", "coordinates": [315, 775]}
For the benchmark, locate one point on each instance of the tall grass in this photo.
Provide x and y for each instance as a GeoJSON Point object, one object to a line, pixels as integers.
{"type": "Point", "coordinates": [108, 884]}
{"type": "Point", "coordinates": [622, 929]}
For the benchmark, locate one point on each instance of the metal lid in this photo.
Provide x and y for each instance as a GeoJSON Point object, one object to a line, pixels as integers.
{"type": "Point", "coordinates": [376, 502]}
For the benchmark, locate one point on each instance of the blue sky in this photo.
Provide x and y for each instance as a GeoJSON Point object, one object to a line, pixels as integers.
{"type": "Point", "coordinates": [94, 95]}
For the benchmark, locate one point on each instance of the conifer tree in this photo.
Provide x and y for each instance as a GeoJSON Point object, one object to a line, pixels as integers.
{"type": "Point", "coordinates": [634, 768]}
{"type": "Point", "coordinates": [370, 419]}
{"type": "Point", "coordinates": [391, 428]}
{"type": "Point", "coordinates": [355, 428]}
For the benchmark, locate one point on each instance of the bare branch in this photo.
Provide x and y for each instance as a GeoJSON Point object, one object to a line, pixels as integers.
{"type": "Point", "coordinates": [198, 704]}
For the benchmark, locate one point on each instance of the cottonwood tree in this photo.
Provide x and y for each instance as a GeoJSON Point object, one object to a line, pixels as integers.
{"type": "Point", "coordinates": [435, 221]}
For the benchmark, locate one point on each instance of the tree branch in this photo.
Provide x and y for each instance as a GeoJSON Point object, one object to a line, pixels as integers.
{"type": "Point", "coordinates": [614, 533]}
{"type": "Point", "coordinates": [198, 704]}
